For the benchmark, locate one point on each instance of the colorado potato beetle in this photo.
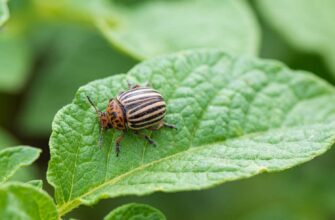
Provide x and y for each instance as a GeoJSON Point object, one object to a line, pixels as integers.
{"type": "Point", "coordinates": [141, 107]}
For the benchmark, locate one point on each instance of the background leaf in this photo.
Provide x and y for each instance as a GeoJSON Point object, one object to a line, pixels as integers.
{"type": "Point", "coordinates": [73, 55]}
{"type": "Point", "coordinates": [15, 61]}
{"type": "Point", "coordinates": [145, 29]}
{"type": "Point", "coordinates": [11, 159]}
{"type": "Point", "coordinates": [22, 201]}
{"type": "Point", "coordinates": [149, 28]}
{"type": "Point", "coordinates": [237, 117]}
{"type": "Point", "coordinates": [4, 13]}
{"type": "Point", "coordinates": [135, 211]}
{"type": "Point", "coordinates": [307, 25]}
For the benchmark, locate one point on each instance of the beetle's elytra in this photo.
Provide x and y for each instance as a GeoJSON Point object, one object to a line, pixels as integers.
{"type": "Point", "coordinates": [136, 109]}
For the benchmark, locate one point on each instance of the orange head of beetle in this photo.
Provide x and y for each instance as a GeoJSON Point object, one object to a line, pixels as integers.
{"type": "Point", "coordinates": [103, 119]}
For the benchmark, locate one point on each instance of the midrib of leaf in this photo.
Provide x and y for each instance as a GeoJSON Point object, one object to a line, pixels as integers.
{"type": "Point", "coordinates": [71, 204]}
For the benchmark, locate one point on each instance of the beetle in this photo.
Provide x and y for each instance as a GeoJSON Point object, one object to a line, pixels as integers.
{"type": "Point", "coordinates": [140, 107]}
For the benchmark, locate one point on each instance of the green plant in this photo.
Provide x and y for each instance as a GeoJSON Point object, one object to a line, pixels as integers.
{"type": "Point", "coordinates": [237, 116]}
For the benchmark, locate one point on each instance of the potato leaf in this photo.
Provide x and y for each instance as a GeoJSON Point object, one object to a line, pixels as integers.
{"type": "Point", "coordinates": [11, 159]}
{"type": "Point", "coordinates": [22, 201]}
{"type": "Point", "coordinates": [135, 211]}
{"type": "Point", "coordinates": [236, 117]}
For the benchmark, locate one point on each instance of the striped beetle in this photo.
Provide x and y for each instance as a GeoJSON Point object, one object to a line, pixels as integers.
{"type": "Point", "coordinates": [138, 108]}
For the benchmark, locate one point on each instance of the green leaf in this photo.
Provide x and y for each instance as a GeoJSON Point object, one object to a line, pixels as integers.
{"type": "Point", "coordinates": [36, 183]}
{"type": "Point", "coordinates": [75, 55]}
{"type": "Point", "coordinates": [15, 61]}
{"type": "Point", "coordinates": [236, 118]}
{"type": "Point", "coordinates": [22, 201]}
{"type": "Point", "coordinates": [134, 211]}
{"type": "Point", "coordinates": [307, 25]}
{"type": "Point", "coordinates": [4, 12]}
{"type": "Point", "coordinates": [151, 28]}
{"type": "Point", "coordinates": [24, 174]}
{"type": "Point", "coordinates": [148, 28]}
{"type": "Point", "coordinates": [11, 159]}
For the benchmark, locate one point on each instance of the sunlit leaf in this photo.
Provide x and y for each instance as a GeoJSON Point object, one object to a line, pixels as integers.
{"type": "Point", "coordinates": [236, 118]}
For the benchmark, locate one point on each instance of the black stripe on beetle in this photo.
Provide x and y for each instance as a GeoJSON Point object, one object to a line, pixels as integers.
{"type": "Point", "coordinates": [136, 109]}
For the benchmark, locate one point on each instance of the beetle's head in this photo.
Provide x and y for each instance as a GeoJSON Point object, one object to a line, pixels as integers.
{"type": "Point", "coordinates": [103, 119]}
{"type": "Point", "coordinates": [102, 116]}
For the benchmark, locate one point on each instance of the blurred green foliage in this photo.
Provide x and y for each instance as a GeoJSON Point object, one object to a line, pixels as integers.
{"type": "Point", "coordinates": [15, 62]}
{"type": "Point", "coordinates": [156, 27]}
{"type": "Point", "coordinates": [307, 25]}
{"type": "Point", "coordinates": [3, 12]}
{"type": "Point", "coordinates": [50, 48]}
{"type": "Point", "coordinates": [73, 55]}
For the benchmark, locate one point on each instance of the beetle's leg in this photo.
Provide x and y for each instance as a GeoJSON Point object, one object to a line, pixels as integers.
{"type": "Point", "coordinates": [147, 84]}
{"type": "Point", "coordinates": [117, 143]}
{"type": "Point", "coordinates": [131, 86]}
{"type": "Point", "coordinates": [169, 125]}
{"type": "Point", "coordinates": [146, 137]}
{"type": "Point", "coordinates": [162, 124]}
{"type": "Point", "coordinates": [157, 126]}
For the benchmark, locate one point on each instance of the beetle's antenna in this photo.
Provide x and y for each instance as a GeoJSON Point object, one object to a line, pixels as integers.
{"type": "Point", "coordinates": [101, 129]}
{"type": "Point", "coordinates": [95, 107]}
